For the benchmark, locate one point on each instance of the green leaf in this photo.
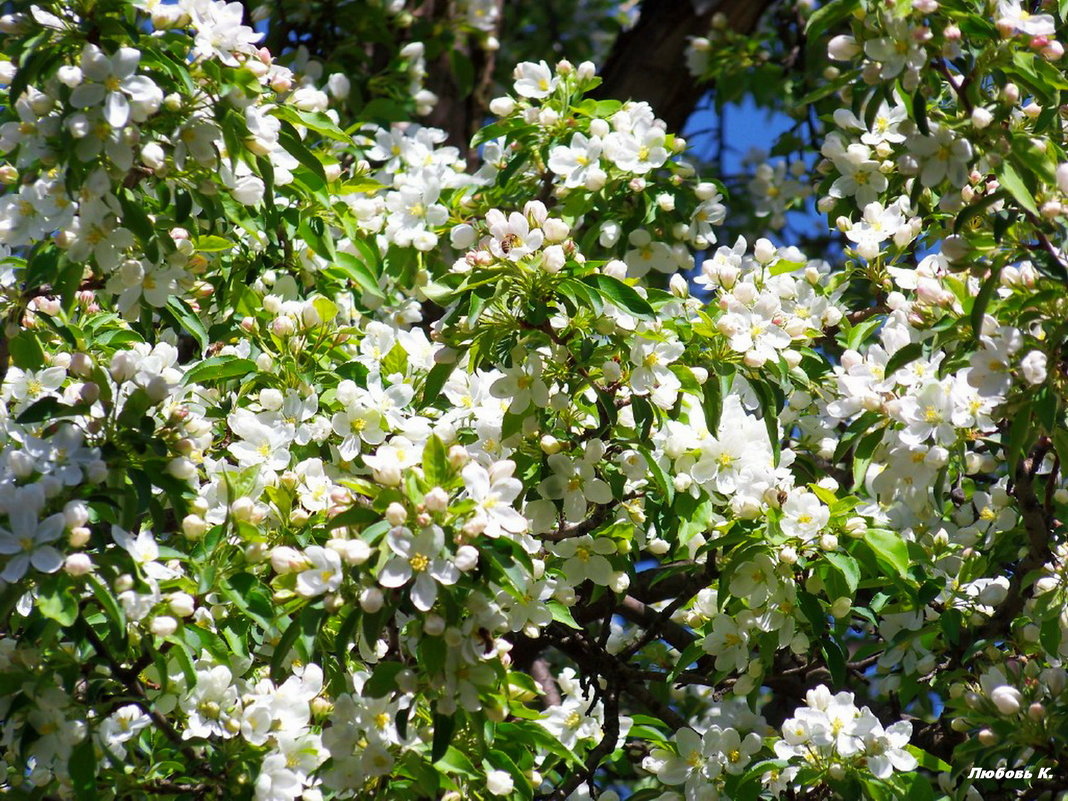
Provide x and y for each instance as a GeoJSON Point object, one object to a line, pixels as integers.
{"type": "Point", "coordinates": [56, 601]}
{"type": "Point", "coordinates": [325, 308]}
{"type": "Point", "coordinates": [561, 614]}
{"type": "Point", "coordinates": [452, 760]}
{"type": "Point", "coordinates": [292, 144]}
{"type": "Point", "coordinates": [384, 679]}
{"type": "Point", "coordinates": [45, 409]}
{"type": "Point", "coordinates": [928, 761]}
{"type": "Point", "coordinates": [905, 355]}
{"type": "Point", "coordinates": [812, 610]}
{"type": "Point", "coordinates": [847, 566]}
{"type": "Point", "coordinates": [693, 652]}
{"type": "Point", "coordinates": [355, 515]}
{"type": "Point", "coordinates": [218, 368]}
{"type": "Point", "coordinates": [185, 663]}
{"type": "Point", "coordinates": [316, 121]}
{"type": "Point", "coordinates": [827, 16]}
{"type": "Point", "coordinates": [890, 549]}
{"type": "Point", "coordinates": [665, 487]}
{"type": "Point", "coordinates": [302, 629]}
{"type": "Point", "coordinates": [770, 410]}
{"type": "Point", "coordinates": [82, 769]}
{"type": "Point", "coordinates": [1050, 634]}
{"type": "Point", "coordinates": [444, 725]}
{"type": "Point", "coordinates": [1009, 178]}
{"type": "Point", "coordinates": [620, 294]}
{"type": "Point", "coordinates": [500, 760]}
{"type": "Point", "coordinates": [183, 316]}
{"type": "Point", "coordinates": [358, 272]}
{"type": "Point", "coordinates": [382, 109]}
{"type": "Point", "coordinates": [213, 244]}
{"type": "Point", "coordinates": [713, 402]}
{"type": "Point", "coordinates": [247, 594]}
{"type": "Point", "coordinates": [919, 112]}
{"type": "Point", "coordinates": [183, 206]}
{"type": "Point", "coordinates": [950, 620]}
{"type": "Point", "coordinates": [982, 300]}
{"type": "Point", "coordinates": [580, 295]}
{"type": "Point", "coordinates": [835, 658]}
{"type": "Point", "coordinates": [135, 219]}
{"type": "Point", "coordinates": [435, 380]}
{"type": "Point", "coordinates": [435, 462]}
{"type": "Point", "coordinates": [112, 611]}
{"type": "Point", "coordinates": [26, 352]}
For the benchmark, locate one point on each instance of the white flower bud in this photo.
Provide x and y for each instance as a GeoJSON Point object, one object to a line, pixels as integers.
{"type": "Point", "coordinates": [555, 229]}
{"type": "Point", "coordinates": [396, 514]}
{"type": "Point", "coordinates": [182, 604]}
{"type": "Point", "coordinates": [547, 117]}
{"type": "Point", "coordinates": [466, 558]}
{"type": "Point", "coordinates": [1007, 699]}
{"type": "Point", "coordinates": [553, 259]}
{"type": "Point", "coordinates": [437, 500]}
{"type": "Point", "coordinates": [285, 559]}
{"type": "Point", "coordinates": [193, 526]}
{"type": "Point", "coordinates": [372, 600]}
{"type": "Point", "coordinates": [499, 782]}
{"type": "Point", "coordinates": [181, 468]}
{"type": "Point", "coordinates": [462, 236]}
{"type": "Point", "coordinates": [78, 564]}
{"type": "Point", "coordinates": [981, 117]}
{"type": "Point", "coordinates": [596, 178]}
{"type": "Point", "coordinates": [843, 48]}
{"type": "Point", "coordinates": [434, 624]}
{"type": "Point", "coordinates": [152, 156]}
{"type": "Point", "coordinates": [458, 456]}
{"type": "Point", "coordinates": [1033, 367]}
{"type": "Point", "coordinates": [599, 127]}
{"type": "Point", "coordinates": [163, 626]}
{"type": "Point", "coordinates": [242, 509]}
{"type": "Point", "coordinates": [502, 106]}
{"type": "Point", "coordinates": [678, 286]}
{"type": "Point", "coordinates": [283, 326]}
{"type": "Point", "coordinates": [309, 316]}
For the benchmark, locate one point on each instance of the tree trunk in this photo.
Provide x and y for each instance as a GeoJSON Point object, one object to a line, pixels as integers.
{"type": "Point", "coordinates": [648, 62]}
{"type": "Point", "coordinates": [459, 115]}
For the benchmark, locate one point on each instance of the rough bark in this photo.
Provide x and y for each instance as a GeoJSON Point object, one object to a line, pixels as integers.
{"type": "Point", "coordinates": [648, 62]}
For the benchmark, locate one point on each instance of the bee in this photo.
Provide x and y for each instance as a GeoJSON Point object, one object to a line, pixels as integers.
{"type": "Point", "coordinates": [509, 242]}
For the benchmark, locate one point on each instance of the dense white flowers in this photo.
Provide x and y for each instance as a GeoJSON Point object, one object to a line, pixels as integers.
{"type": "Point", "coordinates": [331, 448]}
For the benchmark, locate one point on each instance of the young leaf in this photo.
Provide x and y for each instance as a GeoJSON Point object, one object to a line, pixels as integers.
{"type": "Point", "coordinates": [620, 294]}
